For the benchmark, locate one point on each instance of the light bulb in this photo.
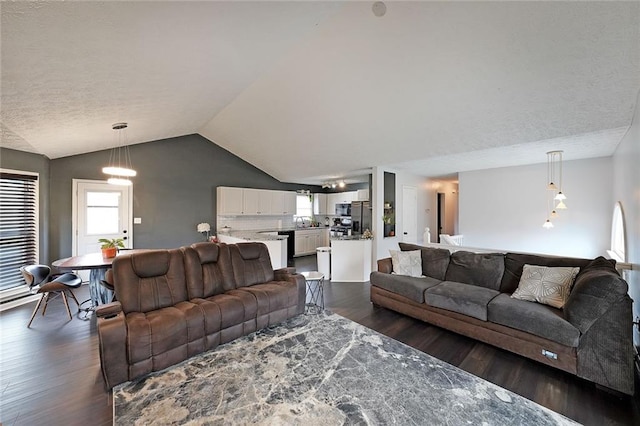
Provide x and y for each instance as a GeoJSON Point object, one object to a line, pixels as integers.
{"type": "Point", "coordinates": [547, 224]}
{"type": "Point", "coordinates": [561, 206]}
{"type": "Point", "coordinates": [554, 214]}
{"type": "Point", "coordinates": [119, 171]}
{"type": "Point", "coordinates": [560, 196]}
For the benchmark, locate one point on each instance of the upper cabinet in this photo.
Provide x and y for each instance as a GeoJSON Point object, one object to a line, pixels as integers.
{"type": "Point", "coordinates": [254, 202]}
{"type": "Point", "coordinates": [229, 201]}
{"type": "Point", "coordinates": [283, 202]}
{"type": "Point", "coordinates": [363, 195]}
{"type": "Point", "coordinates": [320, 204]}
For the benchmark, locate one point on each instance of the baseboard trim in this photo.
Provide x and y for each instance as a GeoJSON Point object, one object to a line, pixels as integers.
{"type": "Point", "coordinates": [18, 302]}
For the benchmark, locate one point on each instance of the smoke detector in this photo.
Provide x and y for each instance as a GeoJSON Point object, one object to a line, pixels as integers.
{"type": "Point", "coordinates": [379, 9]}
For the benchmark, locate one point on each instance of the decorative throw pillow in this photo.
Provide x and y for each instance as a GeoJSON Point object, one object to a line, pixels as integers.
{"type": "Point", "coordinates": [547, 285]}
{"type": "Point", "coordinates": [407, 262]}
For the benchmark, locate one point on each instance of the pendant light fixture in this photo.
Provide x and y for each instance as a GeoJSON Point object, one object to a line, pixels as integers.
{"type": "Point", "coordinates": [554, 186]}
{"type": "Point", "coordinates": [120, 167]}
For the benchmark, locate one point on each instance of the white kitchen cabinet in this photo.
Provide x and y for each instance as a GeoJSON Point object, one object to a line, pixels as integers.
{"type": "Point", "coordinates": [350, 260]}
{"type": "Point", "coordinates": [320, 205]}
{"type": "Point", "coordinates": [256, 202]}
{"type": "Point", "coordinates": [229, 201]}
{"type": "Point", "coordinates": [362, 195]}
{"type": "Point", "coordinates": [289, 203]}
{"type": "Point", "coordinates": [277, 202]}
{"type": "Point", "coordinates": [325, 240]}
{"type": "Point", "coordinates": [248, 201]}
{"type": "Point", "coordinates": [307, 241]}
{"type": "Point", "coordinates": [283, 203]}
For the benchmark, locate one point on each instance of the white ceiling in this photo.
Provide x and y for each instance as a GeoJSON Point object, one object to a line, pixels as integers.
{"type": "Point", "coordinates": [308, 91]}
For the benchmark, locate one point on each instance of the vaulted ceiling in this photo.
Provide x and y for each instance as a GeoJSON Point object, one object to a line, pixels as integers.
{"type": "Point", "coordinates": [308, 91]}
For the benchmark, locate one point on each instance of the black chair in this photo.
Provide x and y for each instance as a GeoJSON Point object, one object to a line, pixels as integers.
{"type": "Point", "coordinates": [40, 281]}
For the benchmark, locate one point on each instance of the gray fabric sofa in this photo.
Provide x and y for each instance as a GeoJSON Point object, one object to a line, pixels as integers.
{"type": "Point", "coordinates": [469, 293]}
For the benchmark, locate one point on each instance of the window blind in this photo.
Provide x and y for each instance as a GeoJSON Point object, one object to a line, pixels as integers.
{"type": "Point", "coordinates": [18, 226]}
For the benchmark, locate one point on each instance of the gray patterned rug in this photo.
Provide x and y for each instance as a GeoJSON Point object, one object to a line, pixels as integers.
{"type": "Point", "coordinates": [320, 370]}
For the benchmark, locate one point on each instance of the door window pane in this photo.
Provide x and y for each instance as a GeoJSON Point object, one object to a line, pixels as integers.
{"type": "Point", "coordinates": [103, 213]}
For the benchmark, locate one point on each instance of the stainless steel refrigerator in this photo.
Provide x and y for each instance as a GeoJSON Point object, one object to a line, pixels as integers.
{"type": "Point", "coordinates": [360, 217]}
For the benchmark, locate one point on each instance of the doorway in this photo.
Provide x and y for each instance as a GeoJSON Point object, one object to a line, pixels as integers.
{"type": "Point", "coordinates": [441, 215]}
{"type": "Point", "coordinates": [100, 210]}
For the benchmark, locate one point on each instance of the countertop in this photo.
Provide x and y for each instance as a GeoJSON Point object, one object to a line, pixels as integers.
{"type": "Point", "coordinates": [350, 238]}
{"type": "Point", "coordinates": [261, 234]}
{"type": "Point", "coordinates": [254, 235]}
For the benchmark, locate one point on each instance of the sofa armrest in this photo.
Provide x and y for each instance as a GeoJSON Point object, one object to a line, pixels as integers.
{"type": "Point", "coordinates": [301, 285]}
{"type": "Point", "coordinates": [112, 334]}
{"type": "Point", "coordinates": [385, 266]}
{"type": "Point", "coordinates": [600, 308]}
{"type": "Point", "coordinates": [282, 274]}
{"type": "Point", "coordinates": [109, 310]}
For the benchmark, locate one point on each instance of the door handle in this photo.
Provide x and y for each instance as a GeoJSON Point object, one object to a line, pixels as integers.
{"type": "Point", "coordinates": [405, 233]}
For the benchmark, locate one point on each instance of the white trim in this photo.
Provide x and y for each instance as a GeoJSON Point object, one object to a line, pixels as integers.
{"type": "Point", "coordinates": [74, 212]}
{"type": "Point", "coordinates": [18, 302]}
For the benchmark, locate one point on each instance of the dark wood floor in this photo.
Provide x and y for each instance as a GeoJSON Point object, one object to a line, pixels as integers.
{"type": "Point", "coordinates": [50, 373]}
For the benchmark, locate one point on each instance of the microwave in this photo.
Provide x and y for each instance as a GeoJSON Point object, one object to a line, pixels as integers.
{"type": "Point", "coordinates": [343, 209]}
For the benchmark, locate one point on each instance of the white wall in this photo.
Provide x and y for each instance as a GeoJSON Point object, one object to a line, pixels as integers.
{"type": "Point", "coordinates": [505, 208]}
{"type": "Point", "coordinates": [626, 189]}
{"type": "Point", "coordinates": [382, 245]}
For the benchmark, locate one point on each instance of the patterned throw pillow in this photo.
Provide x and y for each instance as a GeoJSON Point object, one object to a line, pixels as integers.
{"type": "Point", "coordinates": [407, 262]}
{"type": "Point", "coordinates": [547, 285]}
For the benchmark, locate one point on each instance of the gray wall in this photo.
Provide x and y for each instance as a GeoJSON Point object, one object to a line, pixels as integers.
{"type": "Point", "coordinates": [174, 191]}
{"type": "Point", "coordinates": [24, 161]}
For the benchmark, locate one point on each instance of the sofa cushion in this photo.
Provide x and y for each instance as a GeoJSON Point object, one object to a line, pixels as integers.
{"type": "Point", "coordinates": [434, 260]}
{"type": "Point", "coordinates": [139, 290]}
{"type": "Point", "coordinates": [513, 264]}
{"type": "Point", "coordinates": [251, 264]}
{"type": "Point", "coordinates": [480, 269]}
{"type": "Point", "coordinates": [406, 262]}
{"type": "Point", "coordinates": [409, 287]}
{"type": "Point", "coordinates": [547, 285]}
{"type": "Point", "coordinates": [465, 299]}
{"type": "Point", "coordinates": [208, 269]}
{"type": "Point", "coordinates": [540, 320]}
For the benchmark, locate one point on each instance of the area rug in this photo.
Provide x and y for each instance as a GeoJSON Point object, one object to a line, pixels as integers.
{"type": "Point", "coordinates": [321, 370]}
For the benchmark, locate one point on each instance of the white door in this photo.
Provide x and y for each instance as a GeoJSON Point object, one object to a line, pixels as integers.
{"type": "Point", "coordinates": [101, 210]}
{"type": "Point", "coordinates": [409, 214]}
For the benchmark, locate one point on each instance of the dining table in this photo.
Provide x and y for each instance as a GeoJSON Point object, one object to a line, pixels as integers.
{"type": "Point", "coordinates": [97, 265]}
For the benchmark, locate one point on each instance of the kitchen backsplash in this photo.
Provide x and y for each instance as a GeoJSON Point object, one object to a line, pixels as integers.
{"type": "Point", "coordinates": [250, 223]}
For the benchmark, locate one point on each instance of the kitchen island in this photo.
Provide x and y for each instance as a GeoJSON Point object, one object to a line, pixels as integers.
{"type": "Point", "coordinates": [350, 259]}
{"type": "Point", "coordinates": [276, 244]}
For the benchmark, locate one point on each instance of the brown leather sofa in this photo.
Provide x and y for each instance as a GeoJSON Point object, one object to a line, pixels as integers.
{"type": "Point", "coordinates": [469, 293]}
{"type": "Point", "coordinates": [173, 304]}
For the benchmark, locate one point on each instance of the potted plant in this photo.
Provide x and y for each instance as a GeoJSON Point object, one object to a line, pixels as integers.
{"type": "Point", "coordinates": [110, 247]}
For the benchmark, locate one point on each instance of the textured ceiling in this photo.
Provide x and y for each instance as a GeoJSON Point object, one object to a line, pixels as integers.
{"type": "Point", "coordinates": [313, 90]}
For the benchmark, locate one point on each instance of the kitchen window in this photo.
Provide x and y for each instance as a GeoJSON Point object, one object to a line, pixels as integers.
{"type": "Point", "coordinates": [18, 229]}
{"type": "Point", "coordinates": [304, 206]}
